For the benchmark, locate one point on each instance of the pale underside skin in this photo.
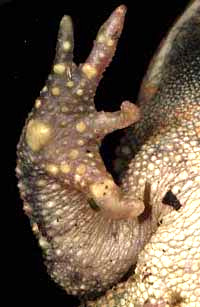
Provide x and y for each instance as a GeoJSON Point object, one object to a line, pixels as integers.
{"type": "Point", "coordinates": [168, 269]}
{"type": "Point", "coordinates": [90, 229]}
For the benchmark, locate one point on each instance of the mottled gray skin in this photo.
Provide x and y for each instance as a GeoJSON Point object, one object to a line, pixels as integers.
{"type": "Point", "coordinates": [90, 231]}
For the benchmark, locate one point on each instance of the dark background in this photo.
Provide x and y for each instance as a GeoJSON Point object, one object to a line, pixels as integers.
{"type": "Point", "coordinates": [28, 36]}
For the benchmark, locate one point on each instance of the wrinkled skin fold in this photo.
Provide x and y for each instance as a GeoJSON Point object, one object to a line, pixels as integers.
{"type": "Point", "coordinates": [90, 229]}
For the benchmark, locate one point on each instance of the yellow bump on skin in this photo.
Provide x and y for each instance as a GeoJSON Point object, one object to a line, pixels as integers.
{"type": "Point", "coordinates": [44, 89]}
{"type": "Point", "coordinates": [101, 38]}
{"type": "Point", "coordinates": [38, 103]}
{"type": "Point", "coordinates": [79, 92]}
{"type": "Point", "coordinates": [43, 243]}
{"type": "Point", "coordinates": [81, 169]}
{"type": "Point", "coordinates": [77, 178]}
{"type": "Point", "coordinates": [41, 183]}
{"type": "Point", "coordinates": [80, 142]}
{"type": "Point", "coordinates": [52, 169]}
{"type": "Point", "coordinates": [37, 134]}
{"type": "Point", "coordinates": [98, 189]}
{"type": "Point", "coordinates": [35, 228]}
{"type": "Point", "coordinates": [122, 302]}
{"type": "Point", "coordinates": [55, 91]}
{"type": "Point", "coordinates": [65, 168]}
{"type": "Point", "coordinates": [90, 154]}
{"type": "Point", "coordinates": [80, 127]}
{"type": "Point", "coordinates": [89, 70]}
{"type": "Point", "coordinates": [64, 109]}
{"type": "Point", "coordinates": [63, 124]}
{"type": "Point", "coordinates": [141, 181]}
{"type": "Point", "coordinates": [59, 68]}
{"type": "Point", "coordinates": [70, 83]}
{"type": "Point", "coordinates": [110, 42]}
{"type": "Point", "coordinates": [73, 154]}
{"type": "Point", "coordinates": [66, 46]}
{"type": "Point", "coordinates": [58, 252]}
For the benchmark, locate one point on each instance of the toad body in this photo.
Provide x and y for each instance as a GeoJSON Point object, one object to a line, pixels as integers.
{"type": "Point", "coordinates": [91, 229]}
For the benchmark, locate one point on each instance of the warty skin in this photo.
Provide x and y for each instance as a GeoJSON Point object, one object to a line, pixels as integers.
{"type": "Point", "coordinates": [91, 230]}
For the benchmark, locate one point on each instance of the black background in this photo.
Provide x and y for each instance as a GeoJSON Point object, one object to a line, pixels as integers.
{"type": "Point", "coordinates": [28, 36]}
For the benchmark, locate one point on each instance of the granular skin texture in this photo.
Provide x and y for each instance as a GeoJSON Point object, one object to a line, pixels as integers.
{"type": "Point", "coordinates": [91, 230]}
